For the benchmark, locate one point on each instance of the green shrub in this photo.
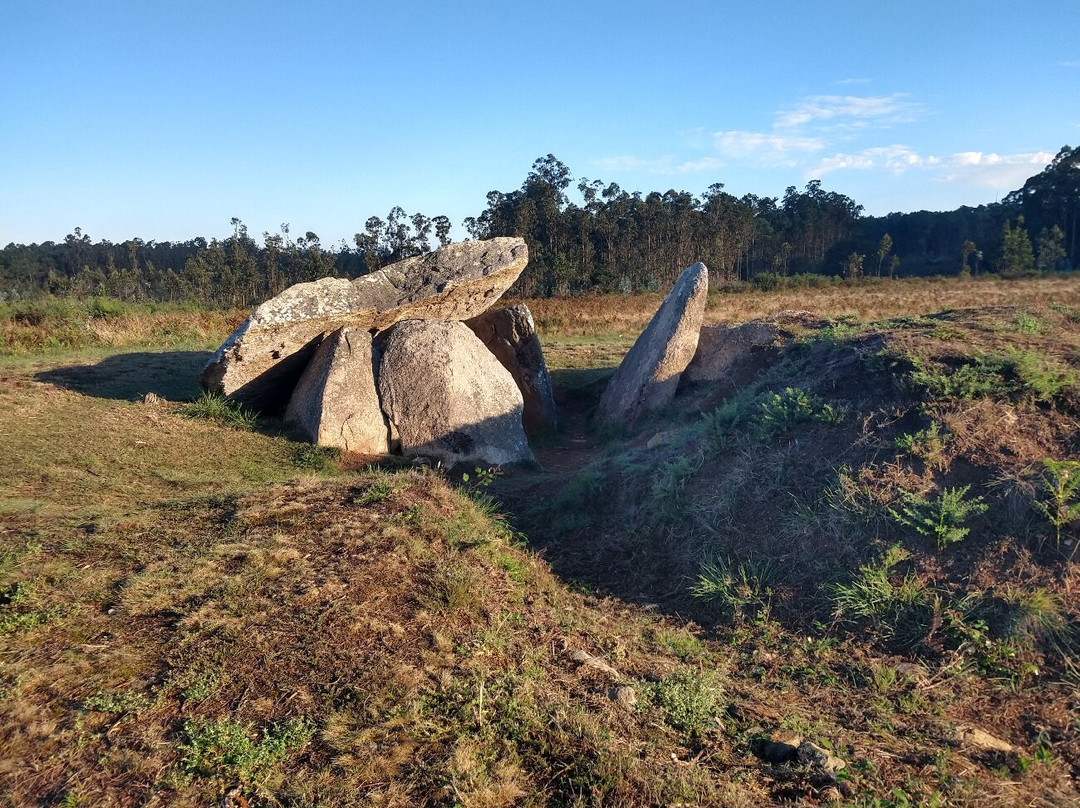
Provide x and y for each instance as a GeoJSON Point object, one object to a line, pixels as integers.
{"type": "Point", "coordinates": [1060, 484]}
{"type": "Point", "coordinates": [779, 412]}
{"type": "Point", "coordinates": [942, 517]}
{"type": "Point", "coordinates": [690, 699]}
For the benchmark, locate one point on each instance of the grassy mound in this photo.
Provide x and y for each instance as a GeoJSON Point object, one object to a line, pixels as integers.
{"type": "Point", "coordinates": [868, 547]}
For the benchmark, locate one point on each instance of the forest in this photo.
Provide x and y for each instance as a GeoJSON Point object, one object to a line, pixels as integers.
{"type": "Point", "coordinates": [606, 240]}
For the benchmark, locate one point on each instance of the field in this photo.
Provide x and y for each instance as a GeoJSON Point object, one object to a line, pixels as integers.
{"type": "Point", "coordinates": [868, 546]}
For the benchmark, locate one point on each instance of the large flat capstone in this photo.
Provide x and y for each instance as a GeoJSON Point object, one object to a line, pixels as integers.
{"type": "Point", "coordinates": [448, 397]}
{"type": "Point", "coordinates": [649, 373]}
{"type": "Point", "coordinates": [261, 362]}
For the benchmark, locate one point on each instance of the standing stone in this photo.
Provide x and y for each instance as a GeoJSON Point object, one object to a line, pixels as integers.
{"type": "Point", "coordinates": [649, 373]}
{"type": "Point", "coordinates": [447, 396]}
{"type": "Point", "coordinates": [510, 334]}
{"type": "Point", "coordinates": [335, 402]}
{"type": "Point", "coordinates": [260, 363]}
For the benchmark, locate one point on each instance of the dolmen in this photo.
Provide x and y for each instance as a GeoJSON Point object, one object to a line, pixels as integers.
{"type": "Point", "coordinates": [411, 358]}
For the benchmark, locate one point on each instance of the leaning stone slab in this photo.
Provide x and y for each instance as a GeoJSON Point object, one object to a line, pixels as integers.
{"type": "Point", "coordinates": [650, 372]}
{"type": "Point", "coordinates": [447, 396]}
{"type": "Point", "coordinates": [260, 363]}
{"type": "Point", "coordinates": [335, 402]}
{"type": "Point", "coordinates": [510, 334]}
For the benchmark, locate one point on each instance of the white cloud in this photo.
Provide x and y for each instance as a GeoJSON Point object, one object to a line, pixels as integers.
{"type": "Point", "coordinates": [765, 148]}
{"type": "Point", "coordinates": [1075, 63]}
{"type": "Point", "coordinates": [849, 111]}
{"type": "Point", "coordinates": [849, 82]}
{"type": "Point", "coordinates": [896, 158]}
{"type": "Point", "coordinates": [999, 172]}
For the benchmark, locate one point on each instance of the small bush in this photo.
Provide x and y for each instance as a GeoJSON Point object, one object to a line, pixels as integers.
{"type": "Point", "coordinates": [1060, 484]}
{"type": "Point", "coordinates": [779, 412]}
{"type": "Point", "coordinates": [690, 699]}
{"type": "Point", "coordinates": [942, 517]}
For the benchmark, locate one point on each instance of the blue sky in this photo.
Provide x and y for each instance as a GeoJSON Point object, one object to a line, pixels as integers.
{"type": "Point", "coordinates": [164, 119]}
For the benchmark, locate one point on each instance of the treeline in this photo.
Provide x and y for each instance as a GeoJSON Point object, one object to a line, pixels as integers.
{"type": "Point", "coordinates": [613, 240]}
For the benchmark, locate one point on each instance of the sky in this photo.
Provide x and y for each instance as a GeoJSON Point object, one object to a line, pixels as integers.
{"type": "Point", "coordinates": [164, 120]}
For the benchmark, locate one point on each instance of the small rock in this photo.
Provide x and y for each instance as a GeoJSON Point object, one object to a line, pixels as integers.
{"type": "Point", "coordinates": [983, 740]}
{"type": "Point", "coordinates": [831, 794]}
{"type": "Point", "coordinates": [624, 696]}
{"type": "Point", "coordinates": [781, 747]}
{"type": "Point", "coordinates": [588, 660]}
{"type": "Point", "coordinates": [824, 761]}
{"type": "Point", "coordinates": [661, 438]}
{"type": "Point", "coordinates": [912, 669]}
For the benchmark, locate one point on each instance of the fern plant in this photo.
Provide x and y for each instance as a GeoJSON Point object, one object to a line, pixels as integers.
{"type": "Point", "coordinates": [942, 517]}
{"type": "Point", "coordinates": [1061, 483]}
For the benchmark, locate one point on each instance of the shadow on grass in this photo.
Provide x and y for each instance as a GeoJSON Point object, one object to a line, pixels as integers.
{"type": "Point", "coordinates": [173, 375]}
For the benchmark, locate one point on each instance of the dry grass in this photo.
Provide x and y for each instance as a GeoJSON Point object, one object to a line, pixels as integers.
{"type": "Point", "coordinates": [628, 315]}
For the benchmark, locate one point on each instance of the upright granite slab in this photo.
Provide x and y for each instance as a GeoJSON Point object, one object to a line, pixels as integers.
{"type": "Point", "coordinates": [335, 402]}
{"type": "Point", "coordinates": [447, 397]}
{"type": "Point", "coordinates": [510, 334]}
{"type": "Point", "coordinates": [260, 363]}
{"type": "Point", "coordinates": [648, 375]}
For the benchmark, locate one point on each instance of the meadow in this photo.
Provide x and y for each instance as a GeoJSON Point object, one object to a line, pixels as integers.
{"type": "Point", "coordinates": [869, 546]}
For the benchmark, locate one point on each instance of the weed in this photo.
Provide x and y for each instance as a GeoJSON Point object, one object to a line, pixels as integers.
{"type": "Point", "coordinates": [117, 703]}
{"type": "Point", "coordinates": [1027, 323]}
{"type": "Point", "coordinates": [224, 750]}
{"type": "Point", "coordinates": [14, 618]}
{"type": "Point", "coordinates": [319, 459]}
{"type": "Point", "coordinates": [1032, 375]}
{"type": "Point", "coordinates": [449, 587]}
{"type": "Point", "coordinates": [737, 590]}
{"type": "Point", "coordinates": [690, 699]}
{"type": "Point", "coordinates": [668, 489]}
{"type": "Point", "coordinates": [899, 607]}
{"type": "Point", "coordinates": [721, 428]}
{"type": "Point", "coordinates": [1036, 614]}
{"type": "Point", "coordinates": [942, 517]}
{"type": "Point", "coordinates": [1060, 481]}
{"type": "Point", "coordinates": [927, 444]}
{"type": "Point", "coordinates": [972, 379]}
{"type": "Point", "coordinates": [1016, 372]}
{"type": "Point", "coordinates": [215, 407]}
{"type": "Point", "coordinates": [379, 490]}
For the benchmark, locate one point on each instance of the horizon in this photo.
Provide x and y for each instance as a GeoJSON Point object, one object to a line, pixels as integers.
{"type": "Point", "coordinates": [254, 116]}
